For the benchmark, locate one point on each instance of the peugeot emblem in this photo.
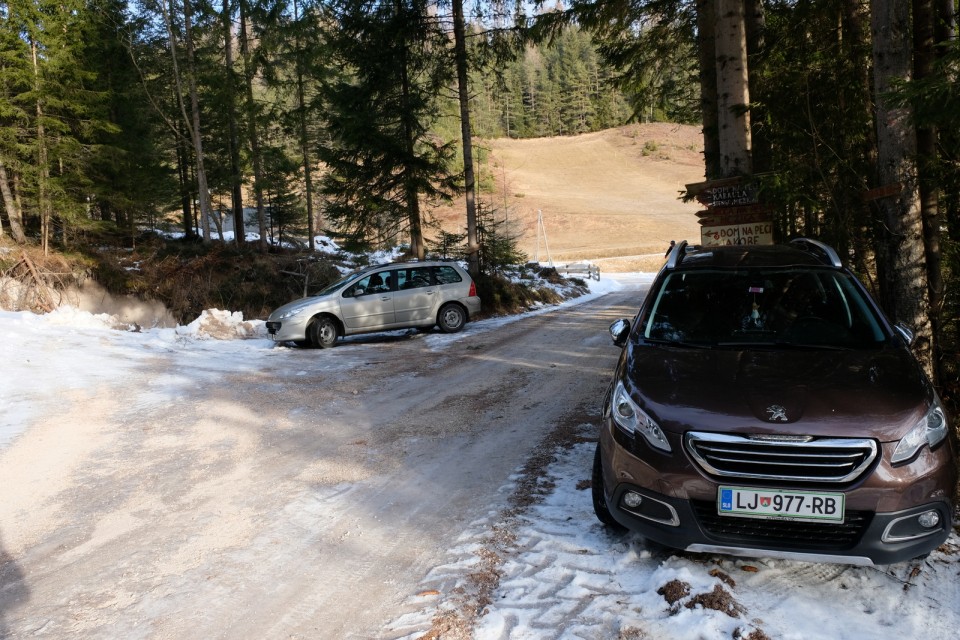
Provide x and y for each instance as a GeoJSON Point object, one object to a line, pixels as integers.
{"type": "Point", "coordinates": [777, 413]}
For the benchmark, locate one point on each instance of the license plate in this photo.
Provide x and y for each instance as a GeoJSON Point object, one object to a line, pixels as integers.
{"type": "Point", "coordinates": [779, 504]}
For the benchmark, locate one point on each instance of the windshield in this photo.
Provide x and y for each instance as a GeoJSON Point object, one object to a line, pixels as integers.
{"type": "Point", "coordinates": [330, 288]}
{"type": "Point", "coordinates": [783, 307]}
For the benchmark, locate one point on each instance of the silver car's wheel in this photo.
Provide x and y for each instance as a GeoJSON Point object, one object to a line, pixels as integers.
{"type": "Point", "coordinates": [451, 318]}
{"type": "Point", "coordinates": [323, 332]}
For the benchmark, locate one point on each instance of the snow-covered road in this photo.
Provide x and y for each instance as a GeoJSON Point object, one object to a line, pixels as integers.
{"type": "Point", "coordinates": [165, 484]}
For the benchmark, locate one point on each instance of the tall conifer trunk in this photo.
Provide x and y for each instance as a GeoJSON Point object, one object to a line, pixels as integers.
{"type": "Point", "coordinates": [203, 191]}
{"type": "Point", "coordinates": [733, 92]}
{"type": "Point", "coordinates": [411, 194]}
{"type": "Point", "coordinates": [707, 47]}
{"type": "Point", "coordinates": [923, 59]}
{"type": "Point", "coordinates": [460, 53]}
{"type": "Point", "coordinates": [252, 131]}
{"type": "Point", "coordinates": [12, 207]}
{"type": "Point", "coordinates": [233, 142]}
{"type": "Point", "coordinates": [304, 138]}
{"type": "Point", "coordinates": [43, 168]}
{"type": "Point", "coordinates": [901, 260]}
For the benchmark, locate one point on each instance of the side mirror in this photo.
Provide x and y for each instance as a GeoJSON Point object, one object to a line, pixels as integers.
{"type": "Point", "coordinates": [619, 331]}
{"type": "Point", "coordinates": [905, 333]}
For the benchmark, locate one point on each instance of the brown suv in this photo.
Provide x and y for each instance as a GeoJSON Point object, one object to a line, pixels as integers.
{"type": "Point", "coordinates": [764, 406]}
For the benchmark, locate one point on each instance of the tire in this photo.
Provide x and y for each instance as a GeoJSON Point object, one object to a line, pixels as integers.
{"type": "Point", "coordinates": [451, 318]}
{"type": "Point", "coordinates": [323, 332]}
{"type": "Point", "coordinates": [599, 495]}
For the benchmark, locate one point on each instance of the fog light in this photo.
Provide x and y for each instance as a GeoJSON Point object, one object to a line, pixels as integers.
{"type": "Point", "coordinates": [929, 519]}
{"type": "Point", "coordinates": [633, 500]}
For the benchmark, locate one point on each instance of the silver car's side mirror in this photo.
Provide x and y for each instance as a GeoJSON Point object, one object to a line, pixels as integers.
{"type": "Point", "coordinates": [905, 333]}
{"type": "Point", "coordinates": [619, 331]}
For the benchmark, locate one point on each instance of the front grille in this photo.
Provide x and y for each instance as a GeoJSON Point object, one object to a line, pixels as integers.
{"type": "Point", "coordinates": [816, 460]}
{"type": "Point", "coordinates": [767, 533]}
{"type": "Point", "coordinates": [273, 327]}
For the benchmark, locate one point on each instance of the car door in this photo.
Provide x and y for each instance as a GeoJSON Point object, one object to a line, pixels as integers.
{"type": "Point", "coordinates": [416, 296]}
{"type": "Point", "coordinates": [367, 305]}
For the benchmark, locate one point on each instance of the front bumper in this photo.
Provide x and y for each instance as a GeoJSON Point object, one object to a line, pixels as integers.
{"type": "Point", "coordinates": [678, 508]}
{"type": "Point", "coordinates": [863, 538]}
{"type": "Point", "coordinates": [289, 329]}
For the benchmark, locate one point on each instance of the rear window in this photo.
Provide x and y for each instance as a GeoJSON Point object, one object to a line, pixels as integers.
{"type": "Point", "coordinates": [447, 275]}
{"type": "Point", "coordinates": [414, 278]}
{"type": "Point", "coordinates": [800, 307]}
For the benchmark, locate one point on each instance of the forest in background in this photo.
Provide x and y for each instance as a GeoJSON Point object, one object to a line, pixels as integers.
{"type": "Point", "coordinates": [94, 90]}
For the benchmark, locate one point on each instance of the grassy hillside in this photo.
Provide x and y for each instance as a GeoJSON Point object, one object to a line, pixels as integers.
{"type": "Point", "coordinates": [610, 196]}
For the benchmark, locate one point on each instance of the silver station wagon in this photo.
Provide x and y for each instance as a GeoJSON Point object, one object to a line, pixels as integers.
{"type": "Point", "coordinates": [399, 295]}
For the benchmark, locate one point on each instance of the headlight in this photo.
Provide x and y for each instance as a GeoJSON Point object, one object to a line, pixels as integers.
{"type": "Point", "coordinates": [632, 419]}
{"type": "Point", "coordinates": [290, 314]}
{"type": "Point", "coordinates": [931, 430]}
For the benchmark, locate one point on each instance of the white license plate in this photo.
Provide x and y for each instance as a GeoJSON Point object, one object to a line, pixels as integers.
{"type": "Point", "coordinates": [812, 506]}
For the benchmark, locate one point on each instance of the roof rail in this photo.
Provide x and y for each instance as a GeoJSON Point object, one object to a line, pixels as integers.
{"type": "Point", "coordinates": [676, 255]}
{"type": "Point", "coordinates": [820, 250]}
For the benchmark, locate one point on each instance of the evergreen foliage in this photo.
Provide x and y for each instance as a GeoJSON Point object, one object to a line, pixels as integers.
{"type": "Point", "coordinates": [647, 49]}
{"type": "Point", "coordinates": [549, 89]}
{"type": "Point", "coordinates": [382, 159]}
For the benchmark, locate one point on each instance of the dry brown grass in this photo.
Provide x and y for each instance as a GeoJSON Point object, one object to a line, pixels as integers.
{"type": "Point", "coordinates": [611, 196]}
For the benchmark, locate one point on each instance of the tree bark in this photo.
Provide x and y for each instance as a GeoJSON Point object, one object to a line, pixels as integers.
{"type": "Point", "coordinates": [707, 46]}
{"type": "Point", "coordinates": [12, 207]}
{"type": "Point", "coordinates": [854, 32]}
{"type": "Point", "coordinates": [733, 92]}
{"type": "Point", "coordinates": [43, 168]}
{"type": "Point", "coordinates": [252, 126]}
{"type": "Point", "coordinates": [206, 208]}
{"type": "Point", "coordinates": [761, 151]}
{"type": "Point", "coordinates": [183, 180]}
{"type": "Point", "coordinates": [923, 61]}
{"type": "Point", "coordinates": [460, 52]}
{"type": "Point", "coordinates": [901, 260]}
{"type": "Point", "coordinates": [304, 138]}
{"type": "Point", "coordinates": [411, 195]}
{"type": "Point", "coordinates": [236, 179]}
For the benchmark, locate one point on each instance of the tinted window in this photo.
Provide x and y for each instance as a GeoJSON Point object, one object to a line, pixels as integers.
{"type": "Point", "coordinates": [781, 306]}
{"type": "Point", "coordinates": [447, 275]}
{"type": "Point", "coordinates": [379, 282]}
{"type": "Point", "coordinates": [413, 278]}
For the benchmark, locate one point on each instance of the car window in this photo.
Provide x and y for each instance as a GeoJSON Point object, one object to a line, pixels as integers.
{"type": "Point", "coordinates": [447, 275]}
{"type": "Point", "coordinates": [802, 307]}
{"type": "Point", "coordinates": [414, 278]}
{"type": "Point", "coordinates": [379, 282]}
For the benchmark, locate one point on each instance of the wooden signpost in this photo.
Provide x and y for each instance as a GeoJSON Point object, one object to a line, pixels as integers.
{"type": "Point", "coordinates": [733, 214]}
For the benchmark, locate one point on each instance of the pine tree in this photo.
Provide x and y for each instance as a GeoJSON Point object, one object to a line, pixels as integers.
{"type": "Point", "coordinates": [382, 159]}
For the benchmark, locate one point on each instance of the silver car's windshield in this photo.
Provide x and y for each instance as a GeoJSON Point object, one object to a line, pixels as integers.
{"type": "Point", "coordinates": [330, 288]}
{"type": "Point", "coordinates": [754, 307]}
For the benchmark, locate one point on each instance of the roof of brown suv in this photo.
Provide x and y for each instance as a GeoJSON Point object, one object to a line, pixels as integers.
{"type": "Point", "coordinates": [798, 252]}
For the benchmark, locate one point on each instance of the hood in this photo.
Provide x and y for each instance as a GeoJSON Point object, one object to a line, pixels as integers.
{"type": "Point", "coordinates": [878, 393]}
{"type": "Point", "coordinates": [313, 302]}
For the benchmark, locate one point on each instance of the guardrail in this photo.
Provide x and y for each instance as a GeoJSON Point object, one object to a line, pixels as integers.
{"type": "Point", "coordinates": [592, 271]}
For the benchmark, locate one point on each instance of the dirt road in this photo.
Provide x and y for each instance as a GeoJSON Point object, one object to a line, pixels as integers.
{"type": "Point", "coordinates": [304, 498]}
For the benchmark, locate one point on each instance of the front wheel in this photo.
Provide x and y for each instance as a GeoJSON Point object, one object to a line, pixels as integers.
{"type": "Point", "coordinates": [451, 318]}
{"type": "Point", "coordinates": [600, 507]}
{"type": "Point", "coordinates": [323, 333]}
